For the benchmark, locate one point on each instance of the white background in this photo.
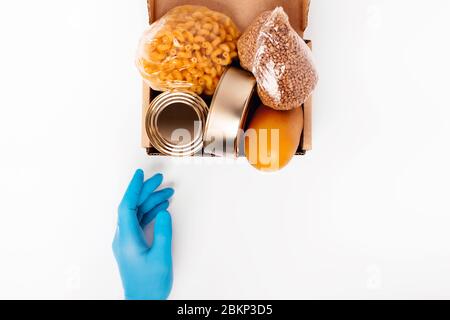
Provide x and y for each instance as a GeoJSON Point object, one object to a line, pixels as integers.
{"type": "Point", "coordinates": [366, 214]}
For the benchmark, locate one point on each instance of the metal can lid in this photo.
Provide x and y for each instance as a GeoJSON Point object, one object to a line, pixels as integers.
{"type": "Point", "coordinates": [175, 123]}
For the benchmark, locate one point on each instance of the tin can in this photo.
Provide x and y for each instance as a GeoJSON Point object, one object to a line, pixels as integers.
{"type": "Point", "coordinates": [175, 123]}
{"type": "Point", "coordinates": [228, 113]}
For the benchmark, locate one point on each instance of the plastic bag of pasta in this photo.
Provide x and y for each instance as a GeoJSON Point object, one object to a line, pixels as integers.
{"type": "Point", "coordinates": [280, 60]}
{"type": "Point", "coordinates": [187, 49]}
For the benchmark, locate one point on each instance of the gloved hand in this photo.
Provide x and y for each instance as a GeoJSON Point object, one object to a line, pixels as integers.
{"type": "Point", "coordinates": [146, 271]}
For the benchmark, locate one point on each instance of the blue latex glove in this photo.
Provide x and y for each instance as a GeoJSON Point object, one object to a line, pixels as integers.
{"type": "Point", "coordinates": [146, 271]}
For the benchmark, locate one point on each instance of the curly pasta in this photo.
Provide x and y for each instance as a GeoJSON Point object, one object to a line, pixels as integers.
{"type": "Point", "coordinates": [188, 49]}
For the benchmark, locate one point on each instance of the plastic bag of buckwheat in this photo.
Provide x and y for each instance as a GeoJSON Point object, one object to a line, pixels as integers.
{"type": "Point", "coordinates": [280, 60]}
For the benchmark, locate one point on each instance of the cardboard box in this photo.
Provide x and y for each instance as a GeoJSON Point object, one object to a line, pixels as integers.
{"type": "Point", "coordinates": [242, 13]}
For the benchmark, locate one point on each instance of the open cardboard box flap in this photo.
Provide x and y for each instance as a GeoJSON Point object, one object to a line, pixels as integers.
{"type": "Point", "coordinates": [243, 12]}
